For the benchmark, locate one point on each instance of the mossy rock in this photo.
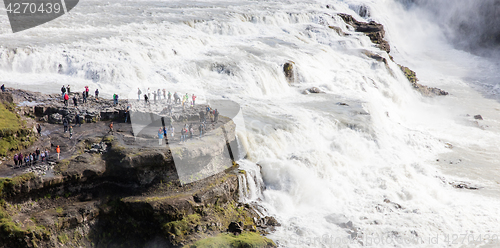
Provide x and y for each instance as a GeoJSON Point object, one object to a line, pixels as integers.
{"type": "Point", "coordinates": [288, 69]}
{"type": "Point", "coordinates": [244, 240]}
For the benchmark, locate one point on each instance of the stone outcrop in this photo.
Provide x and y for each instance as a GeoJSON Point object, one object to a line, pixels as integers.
{"type": "Point", "coordinates": [376, 33]}
{"type": "Point", "coordinates": [373, 30]}
{"type": "Point", "coordinates": [6, 97]}
{"type": "Point", "coordinates": [123, 189]}
{"type": "Point", "coordinates": [288, 69]}
{"type": "Point", "coordinates": [313, 90]}
{"type": "Point", "coordinates": [425, 90]}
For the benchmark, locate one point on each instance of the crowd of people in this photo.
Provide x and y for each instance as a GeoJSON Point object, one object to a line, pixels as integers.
{"type": "Point", "coordinates": [188, 130]}
{"type": "Point", "coordinates": [30, 159]}
{"type": "Point", "coordinates": [66, 91]}
{"type": "Point", "coordinates": [163, 96]}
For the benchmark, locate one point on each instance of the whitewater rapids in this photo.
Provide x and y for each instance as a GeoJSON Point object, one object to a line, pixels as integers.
{"type": "Point", "coordinates": [371, 158]}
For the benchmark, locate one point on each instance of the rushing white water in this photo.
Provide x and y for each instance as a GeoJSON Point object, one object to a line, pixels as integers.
{"type": "Point", "coordinates": [333, 174]}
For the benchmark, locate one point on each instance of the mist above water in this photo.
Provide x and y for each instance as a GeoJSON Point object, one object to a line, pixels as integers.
{"type": "Point", "coordinates": [469, 24]}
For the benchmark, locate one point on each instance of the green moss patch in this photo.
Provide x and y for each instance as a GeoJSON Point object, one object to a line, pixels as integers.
{"type": "Point", "coordinates": [181, 227]}
{"type": "Point", "coordinates": [13, 133]}
{"type": "Point", "coordinates": [244, 240]}
{"type": "Point", "coordinates": [8, 184]}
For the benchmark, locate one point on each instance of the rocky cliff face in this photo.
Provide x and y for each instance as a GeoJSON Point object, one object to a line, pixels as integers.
{"type": "Point", "coordinates": [123, 189]}
{"type": "Point", "coordinates": [376, 33]}
{"type": "Point", "coordinates": [128, 197]}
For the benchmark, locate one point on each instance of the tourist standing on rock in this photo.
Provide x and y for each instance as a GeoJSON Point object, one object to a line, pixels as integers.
{"type": "Point", "coordinates": [176, 98]}
{"type": "Point", "coordinates": [216, 115]}
{"type": "Point", "coordinates": [20, 159]}
{"type": "Point", "coordinates": [3, 87]}
{"type": "Point", "coordinates": [184, 100]}
{"type": "Point", "coordinates": [164, 94]}
{"type": "Point", "coordinates": [160, 136]}
{"type": "Point", "coordinates": [146, 99]}
{"type": "Point", "coordinates": [70, 132]}
{"type": "Point", "coordinates": [172, 131]}
{"type": "Point", "coordinates": [77, 120]}
{"type": "Point", "coordinates": [183, 104]}
{"type": "Point", "coordinates": [66, 98]}
{"type": "Point", "coordinates": [111, 128]}
{"type": "Point", "coordinates": [37, 152]}
{"type": "Point", "coordinates": [191, 131]}
{"type": "Point", "coordinates": [149, 93]}
{"type": "Point", "coordinates": [31, 159]}
{"type": "Point", "coordinates": [63, 91]}
{"type": "Point", "coordinates": [200, 129]}
{"type": "Point", "coordinates": [39, 129]}
{"type": "Point", "coordinates": [182, 134]}
{"type": "Point", "coordinates": [42, 156]}
{"type": "Point", "coordinates": [169, 97]}
{"type": "Point", "coordinates": [87, 91]}
{"type": "Point", "coordinates": [65, 123]}
{"type": "Point", "coordinates": [165, 134]}
{"type": "Point", "coordinates": [58, 150]}
{"type": "Point", "coordinates": [127, 113]}
{"type": "Point", "coordinates": [15, 159]}
{"type": "Point", "coordinates": [47, 154]}
{"type": "Point", "coordinates": [207, 110]}
{"type": "Point", "coordinates": [194, 99]}
{"type": "Point", "coordinates": [96, 94]}
{"type": "Point", "coordinates": [211, 116]}
{"type": "Point", "coordinates": [69, 89]}
{"type": "Point", "coordinates": [139, 93]}
{"type": "Point", "coordinates": [154, 97]}
{"type": "Point", "coordinates": [169, 109]}
{"type": "Point", "coordinates": [75, 101]}
{"type": "Point", "coordinates": [84, 96]}
{"type": "Point", "coordinates": [158, 93]}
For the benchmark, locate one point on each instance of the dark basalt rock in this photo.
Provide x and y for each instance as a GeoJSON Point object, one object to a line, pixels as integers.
{"type": "Point", "coordinates": [6, 97]}
{"type": "Point", "coordinates": [288, 69]}
{"type": "Point", "coordinates": [425, 90]}
{"type": "Point", "coordinates": [235, 228]}
{"type": "Point", "coordinates": [375, 31]}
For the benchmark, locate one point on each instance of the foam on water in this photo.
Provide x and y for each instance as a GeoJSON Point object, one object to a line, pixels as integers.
{"type": "Point", "coordinates": [361, 168]}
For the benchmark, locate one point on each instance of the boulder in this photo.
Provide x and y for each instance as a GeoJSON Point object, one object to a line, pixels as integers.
{"type": "Point", "coordinates": [288, 69]}
{"type": "Point", "coordinates": [6, 97]}
{"type": "Point", "coordinates": [235, 228]}
{"type": "Point", "coordinates": [315, 90]}
{"type": "Point", "coordinates": [56, 118]}
{"type": "Point", "coordinates": [271, 221]}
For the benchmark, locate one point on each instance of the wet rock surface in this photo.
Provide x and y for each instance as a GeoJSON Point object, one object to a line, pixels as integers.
{"type": "Point", "coordinates": [373, 30]}
{"type": "Point", "coordinates": [376, 33]}
{"type": "Point", "coordinates": [121, 188]}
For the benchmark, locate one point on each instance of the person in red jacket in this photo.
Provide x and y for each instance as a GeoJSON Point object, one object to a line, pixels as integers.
{"type": "Point", "coordinates": [66, 98]}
